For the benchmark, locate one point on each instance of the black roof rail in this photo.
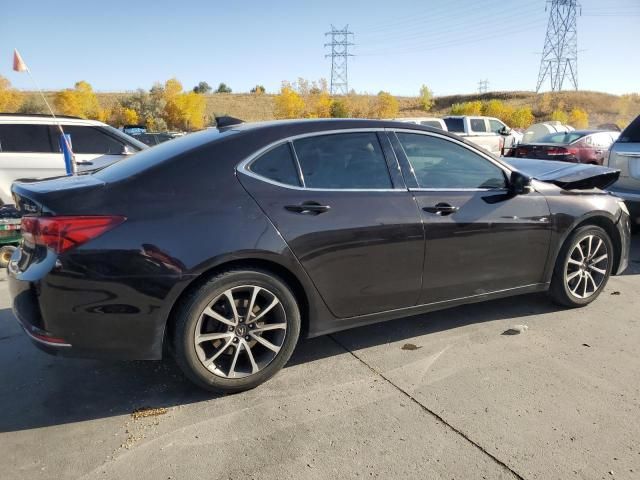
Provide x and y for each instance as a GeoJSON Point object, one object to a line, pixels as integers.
{"type": "Point", "coordinates": [38, 115]}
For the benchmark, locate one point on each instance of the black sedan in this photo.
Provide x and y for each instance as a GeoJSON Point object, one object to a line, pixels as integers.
{"type": "Point", "coordinates": [225, 247]}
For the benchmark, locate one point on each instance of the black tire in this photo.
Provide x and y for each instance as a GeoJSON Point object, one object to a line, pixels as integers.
{"type": "Point", "coordinates": [5, 255]}
{"type": "Point", "coordinates": [566, 292]}
{"type": "Point", "coordinates": [188, 319]}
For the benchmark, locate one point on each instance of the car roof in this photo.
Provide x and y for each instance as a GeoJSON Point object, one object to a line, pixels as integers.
{"type": "Point", "coordinates": [41, 119]}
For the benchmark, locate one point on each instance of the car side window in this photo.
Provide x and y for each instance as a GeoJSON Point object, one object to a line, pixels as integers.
{"type": "Point", "coordinates": [478, 125]}
{"type": "Point", "coordinates": [278, 165]}
{"type": "Point", "coordinates": [343, 160]}
{"type": "Point", "coordinates": [91, 140]}
{"type": "Point", "coordinates": [443, 164]}
{"type": "Point", "coordinates": [25, 138]}
{"type": "Point", "coordinates": [496, 126]}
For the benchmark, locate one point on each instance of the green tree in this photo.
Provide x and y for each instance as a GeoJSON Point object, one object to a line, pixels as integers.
{"type": "Point", "coordinates": [426, 98]}
{"type": "Point", "coordinates": [223, 88]}
{"type": "Point", "coordinates": [202, 87]}
{"type": "Point", "coordinates": [258, 89]}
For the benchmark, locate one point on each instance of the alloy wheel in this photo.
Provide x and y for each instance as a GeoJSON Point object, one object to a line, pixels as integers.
{"type": "Point", "coordinates": [240, 332]}
{"type": "Point", "coordinates": [586, 267]}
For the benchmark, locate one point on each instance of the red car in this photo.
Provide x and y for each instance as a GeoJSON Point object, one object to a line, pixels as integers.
{"type": "Point", "coordinates": [579, 146]}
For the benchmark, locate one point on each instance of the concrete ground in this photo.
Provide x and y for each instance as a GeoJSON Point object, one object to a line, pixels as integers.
{"type": "Point", "coordinates": [438, 396]}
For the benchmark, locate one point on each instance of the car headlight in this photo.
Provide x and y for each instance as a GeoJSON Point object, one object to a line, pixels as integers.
{"type": "Point", "coordinates": [623, 206]}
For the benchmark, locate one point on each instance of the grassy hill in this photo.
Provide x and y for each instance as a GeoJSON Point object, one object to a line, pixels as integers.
{"type": "Point", "coordinates": [601, 107]}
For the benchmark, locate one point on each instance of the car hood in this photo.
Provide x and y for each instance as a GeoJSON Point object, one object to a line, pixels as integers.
{"type": "Point", "coordinates": [568, 176]}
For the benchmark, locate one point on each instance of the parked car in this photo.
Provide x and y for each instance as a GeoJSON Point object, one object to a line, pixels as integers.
{"type": "Point", "coordinates": [426, 121]}
{"type": "Point", "coordinates": [30, 148]}
{"type": "Point", "coordinates": [226, 246]}
{"type": "Point", "coordinates": [154, 138]}
{"type": "Point", "coordinates": [579, 146]}
{"type": "Point", "coordinates": [476, 130]}
{"type": "Point", "coordinates": [625, 155]}
{"type": "Point", "coordinates": [539, 130]}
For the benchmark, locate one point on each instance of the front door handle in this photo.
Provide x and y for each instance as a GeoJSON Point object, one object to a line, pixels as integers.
{"type": "Point", "coordinates": [84, 162]}
{"type": "Point", "coordinates": [308, 208]}
{"type": "Point", "coordinates": [441, 209]}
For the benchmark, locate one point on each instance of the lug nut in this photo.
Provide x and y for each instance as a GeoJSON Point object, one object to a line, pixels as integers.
{"type": "Point", "coordinates": [247, 337]}
{"type": "Point", "coordinates": [231, 329]}
{"type": "Point", "coordinates": [235, 340]}
{"type": "Point", "coordinates": [252, 326]}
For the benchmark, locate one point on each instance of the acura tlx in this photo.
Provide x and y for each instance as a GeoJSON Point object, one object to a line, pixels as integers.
{"type": "Point", "coordinates": [226, 246]}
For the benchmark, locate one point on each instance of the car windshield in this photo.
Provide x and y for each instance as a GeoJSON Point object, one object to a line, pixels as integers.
{"type": "Point", "coordinates": [562, 137]}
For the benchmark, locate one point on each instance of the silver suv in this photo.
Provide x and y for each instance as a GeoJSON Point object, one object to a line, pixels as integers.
{"type": "Point", "coordinates": [30, 147]}
{"type": "Point", "coordinates": [625, 156]}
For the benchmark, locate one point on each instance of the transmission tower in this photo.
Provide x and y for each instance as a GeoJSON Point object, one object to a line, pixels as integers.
{"type": "Point", "coordinates": [560, 53]}
{"type": "Point", "coordinates": [339, 54]}
{"type": "Point", "coordinates": [483, 86]}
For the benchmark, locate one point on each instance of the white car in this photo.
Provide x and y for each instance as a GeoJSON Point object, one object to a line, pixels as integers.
{"type": "Point", "coordinates": [426, 121]}
{"type": "Point", "coordinates": [30, 147]}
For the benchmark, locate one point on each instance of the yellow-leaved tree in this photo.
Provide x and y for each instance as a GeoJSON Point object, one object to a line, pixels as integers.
{"type": "Point", "coordinates": [559, 116]}
{"type": "Point", "coordinates": [183, 110]}
{"type": "Point", "coordinates": [10, 98]}
{"type": "Point", "coordinates": [521, 117]}
{"type": "Point", "coordinates": [467, 108]}
{"type": "Point", "coordinates": [387, 105]}
{"type": "Point", "coordinates": [288, 103]}
{"type": "Point", "coordinates": [578, 118]}
{"type": "Point", "coordinates": [81, 101]}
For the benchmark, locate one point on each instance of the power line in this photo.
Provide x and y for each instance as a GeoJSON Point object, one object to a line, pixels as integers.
{"type": "Point", "coordinates": [339, 44]}
{"type": "Point", "coordinates": [560, 52]}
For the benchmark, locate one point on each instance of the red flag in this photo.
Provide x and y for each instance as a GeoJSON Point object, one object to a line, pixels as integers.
{"type": "Point", "coordinates": [18, 63]}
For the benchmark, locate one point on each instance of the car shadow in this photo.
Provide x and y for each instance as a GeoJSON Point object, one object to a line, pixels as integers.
{"type": "Point", "coordinates": [38, 390]}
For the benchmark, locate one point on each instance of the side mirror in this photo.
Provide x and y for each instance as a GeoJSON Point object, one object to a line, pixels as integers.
{"type": "Point", "coordinates": [505, 131]}
{"type": "Point", "coordinates": [127, 150]}
{"type": "Point", "coordinates": [519, 183]}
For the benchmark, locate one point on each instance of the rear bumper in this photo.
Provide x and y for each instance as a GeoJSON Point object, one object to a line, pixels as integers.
{"type": "Point", "coordinates": [90, 316]}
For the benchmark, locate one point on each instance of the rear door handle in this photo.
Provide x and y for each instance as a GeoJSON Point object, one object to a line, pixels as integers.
{"type": "Point", "coordinates": [308, 208]}
{"type": "Point", "coordinates": [441, 209]}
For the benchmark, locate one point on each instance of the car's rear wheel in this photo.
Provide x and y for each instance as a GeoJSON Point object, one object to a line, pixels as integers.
{"type": "Point", "coordinates": [5, 255]}
{"type": "Point", "coordinates": [236, 331]}
{"type": "Point", "coordinates": [583, 267]}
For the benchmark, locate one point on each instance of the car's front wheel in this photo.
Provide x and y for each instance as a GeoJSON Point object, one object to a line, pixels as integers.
{"type": "Point", "coordinates": [237, 330]}
{"type": "Point", "coordinates": [583, 267]}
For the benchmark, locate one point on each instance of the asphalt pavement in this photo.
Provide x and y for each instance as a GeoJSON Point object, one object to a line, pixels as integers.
{"type": "Point", "coordinates": [446, 395]}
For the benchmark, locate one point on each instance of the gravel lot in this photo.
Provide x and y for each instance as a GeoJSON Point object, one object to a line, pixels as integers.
{"type": "Point", "coordinates": [437, 396]}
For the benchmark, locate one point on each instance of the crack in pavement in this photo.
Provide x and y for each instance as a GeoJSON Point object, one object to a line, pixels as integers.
{"type": "Point", "coordinates": [429, 411]}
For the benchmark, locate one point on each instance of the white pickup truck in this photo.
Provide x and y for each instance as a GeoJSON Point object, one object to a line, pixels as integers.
{"type": "Point", "coordinates": [489, 133]}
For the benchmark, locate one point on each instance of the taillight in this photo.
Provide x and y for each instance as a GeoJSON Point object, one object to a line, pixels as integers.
{"type": "Point", "coordinates": [557, 151]}
{"type": "Point", "coordinates": [62, 233]}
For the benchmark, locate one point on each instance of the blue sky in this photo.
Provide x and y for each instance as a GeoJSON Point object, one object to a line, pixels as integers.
{"type": "Point", "coordinates": [450, 46]}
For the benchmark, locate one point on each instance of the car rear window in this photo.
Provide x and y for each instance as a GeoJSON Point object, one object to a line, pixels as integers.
{"type": "Point", "coordinates": [150, 157]}
{"type": "Point", "coordinates": [631, 134]}
{"type": "Point", "coordinates": [562, 138]}
{"type": "Point", "coordinates": [431, 123]}
{"type": "Point", "coordinates": [455, 125]}
{"type": "Point", "coordinates": [25, 138]}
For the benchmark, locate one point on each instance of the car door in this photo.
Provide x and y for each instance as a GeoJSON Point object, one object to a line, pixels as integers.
{"type": "Point", "coordinates": [93, 148]}
{"type": "Point", "coordinates": [358, 234]}
{"type": "Point", "coordinates": [479, 238]}
{"type": "Point", "coordinates": [26, 151]}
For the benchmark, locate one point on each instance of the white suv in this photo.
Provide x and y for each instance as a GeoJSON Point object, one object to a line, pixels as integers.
{"type": "Point", "coordinates": [30, 147]}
